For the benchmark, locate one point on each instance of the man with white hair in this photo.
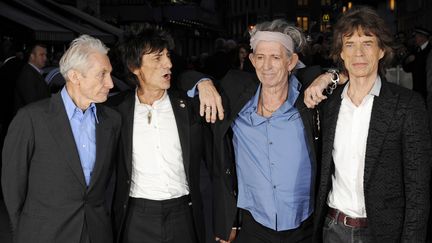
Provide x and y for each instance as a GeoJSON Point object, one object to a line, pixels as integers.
{"type": "Point", "coordinates": [264, 149]}
{"type": "Point", "coordinates": [57, 158]}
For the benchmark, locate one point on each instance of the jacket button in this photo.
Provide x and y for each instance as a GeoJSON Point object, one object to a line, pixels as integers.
{"type": "Point", "coordinates": [128, 182]}
{"type": "Point", "coordinates": [228, 172]}
{"type": "Point", "coordinates": [124, 206]}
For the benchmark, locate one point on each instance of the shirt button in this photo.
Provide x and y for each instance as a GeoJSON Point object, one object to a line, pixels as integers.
{"type": "Point", "coordinates": [270, 143]}
{"type": "Point", "coordinates": [274, 187]}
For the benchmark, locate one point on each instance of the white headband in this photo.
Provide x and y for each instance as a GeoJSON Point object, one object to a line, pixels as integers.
{"type": "Point", "coordinates": [282, 38]}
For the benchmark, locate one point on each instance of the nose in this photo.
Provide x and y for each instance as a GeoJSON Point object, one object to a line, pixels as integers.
{"type": "Point", "coordinates": [359, 50]}
{"type": "Point", "coordinates": [267, 63]}
{"type": "Point", "coordinates": [168, 63]}
{"type": "Point", "coordinates": [109, 82]}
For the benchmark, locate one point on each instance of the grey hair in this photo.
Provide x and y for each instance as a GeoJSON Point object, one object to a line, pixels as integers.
{"type": "Point", "coordinates": [280, 25]}
{"type": "Point", "coordinates": [76, 56]}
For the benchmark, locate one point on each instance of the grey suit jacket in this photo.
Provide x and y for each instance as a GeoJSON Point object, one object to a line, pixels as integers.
{"type": "Point", "coordinates": [397, 165]}
{"type": "Point", "coordinates": [43, 183]}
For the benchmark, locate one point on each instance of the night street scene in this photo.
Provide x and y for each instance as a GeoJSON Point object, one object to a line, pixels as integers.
{"type": "Point", "coordinates": [163, 70]}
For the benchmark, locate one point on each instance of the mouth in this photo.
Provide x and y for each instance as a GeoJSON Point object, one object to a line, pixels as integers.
{"type": "Point", "coordinates": [359, 64]}
{"type": "Point", "coordinates": [167, 76]}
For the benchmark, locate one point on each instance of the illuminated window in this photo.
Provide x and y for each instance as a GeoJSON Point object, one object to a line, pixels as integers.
{"type": "Point", "coordinates": [392, 5]}
{"type": "Point", "coordinates": [303, 22]}
{"type": "Point", "coordinates": [349, 5]}
{"type": "Point", "coordinates": [302, 2]}
{"type": "Point", "coordinates": [325, 2]}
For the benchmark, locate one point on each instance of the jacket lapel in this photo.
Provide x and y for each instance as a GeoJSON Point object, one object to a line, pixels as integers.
{"type": "Point", "coordinates": [127, 110]}
{"type": "Point", "coordinates": [330, 116]}
{"type": "Point", "coordinates": [61, 131]}
{"type": "Point", "coordinates": [180, 110]}
{"type": "Point", "coordinates": [383, 109]}
{"type": "Point", "coordinates": [103, 140]}
{"type": "Point", "coordinates": [245, 96]}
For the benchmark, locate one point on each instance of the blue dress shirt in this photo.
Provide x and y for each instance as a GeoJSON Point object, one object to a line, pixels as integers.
{"type": "Point", "coordinates": [274, 166]}
{"type": "Point", "coordinates": [83, 126]}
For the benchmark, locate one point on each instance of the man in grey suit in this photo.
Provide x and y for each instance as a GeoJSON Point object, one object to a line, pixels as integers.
{"type": "Point", "coordinates": [57, 158]}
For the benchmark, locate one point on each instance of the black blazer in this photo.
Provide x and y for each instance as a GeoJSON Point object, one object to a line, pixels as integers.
{"type": "Point", "coordinates": [43, 183]}
{"type": "Point", "coordinates": [30, 87]}
{"type": "Point", "coordinates": [237, 88]}
{"type": "Point", "coordinates": [397, 165]}
{"type": "Point", "coordinates": [190, 131]}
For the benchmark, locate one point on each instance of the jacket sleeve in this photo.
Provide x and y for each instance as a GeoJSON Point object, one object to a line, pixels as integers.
{"type": "Point", "coordinates": [417, 155]}
{"type": "Point", "coordinates": [16, 156]}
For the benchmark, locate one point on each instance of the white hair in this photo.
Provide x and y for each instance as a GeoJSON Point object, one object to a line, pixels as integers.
{"type": "Point", "coordinates": [76, 56]}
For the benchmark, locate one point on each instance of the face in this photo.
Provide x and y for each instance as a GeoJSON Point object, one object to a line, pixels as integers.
{"type": "Point", "coordinates": [272, 63]}
{"type": "Point", "coordinates": [155, 71]}
{"type": "Point", "coordinates": [361, 55]}
{"type": "Point", "coordinates": [38, 57]}
{"type": "Point", "coordinates": [242, 54]}
{"type": "Point", "coordinates": [95, 83]}
{"type": "Point", "coordinates": [420, 39]}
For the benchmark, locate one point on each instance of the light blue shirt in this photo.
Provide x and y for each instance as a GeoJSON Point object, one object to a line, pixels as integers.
{"type": "Point", "coordinates": [83, 126]}
{"type": "Point", "coordinates": [274, 167]}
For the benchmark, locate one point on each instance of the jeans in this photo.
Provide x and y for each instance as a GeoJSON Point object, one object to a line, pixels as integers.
{"type": "Point", "coordinates": [337, 232]}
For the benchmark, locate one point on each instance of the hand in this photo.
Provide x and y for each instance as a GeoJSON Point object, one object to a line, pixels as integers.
{"type": "Point", "coordinates": [210, 101]}
{"type": "Point", "coordinates": [313, 95]}
{"type": "Point", "coordinates": [231, 237]}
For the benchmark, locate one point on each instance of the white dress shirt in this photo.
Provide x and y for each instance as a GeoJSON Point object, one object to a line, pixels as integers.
{"type": "Point", "coordinates": [157, 162]}
{"type": "Point", "coordinates": [349, 150]}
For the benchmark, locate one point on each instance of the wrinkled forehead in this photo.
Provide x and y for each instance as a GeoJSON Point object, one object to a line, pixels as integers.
{"type": "Point", "coordinates": [359, 31]}
{"type": "Point", "coordinates": [269, 48]}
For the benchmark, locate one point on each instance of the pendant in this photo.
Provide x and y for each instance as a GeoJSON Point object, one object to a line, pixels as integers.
{"type": "Point", "coordinates": [149, 117]}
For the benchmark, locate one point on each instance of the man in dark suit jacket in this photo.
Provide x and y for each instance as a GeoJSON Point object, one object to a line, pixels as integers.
{"type": "Point", "coordinates": [157, 194]}
{"type": "Point", "coordinates": [30, 84]}
{"type": "Point", "coordinates": [416, 62]}
{"type": "Point", "coordinates": [57, 158]}
{"type": "Point", "coordinates": [376, 145]}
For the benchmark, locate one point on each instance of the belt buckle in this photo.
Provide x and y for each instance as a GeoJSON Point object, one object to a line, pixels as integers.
{"type": "Point", "coordinates": [345, 222]}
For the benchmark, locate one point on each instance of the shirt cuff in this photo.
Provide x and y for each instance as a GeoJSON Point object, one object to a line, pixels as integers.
{"type": "Point", "coordinates": [194, 91]}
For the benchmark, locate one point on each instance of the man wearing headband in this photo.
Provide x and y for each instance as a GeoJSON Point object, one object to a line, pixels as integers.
{"type": "Point", "coordinates": [264, 149]}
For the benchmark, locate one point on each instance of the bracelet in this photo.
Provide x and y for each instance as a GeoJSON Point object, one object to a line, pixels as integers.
{"type": "Point", "coordinates": [334, 81]}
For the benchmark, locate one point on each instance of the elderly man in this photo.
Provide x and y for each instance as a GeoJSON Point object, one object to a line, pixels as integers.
{"type": "Point", "coordinates": [266, 145]}
{"type": "Point", "coordinates": [376, 145]}
{"type": "Point", "coordinates": [57, 157]}
{"type": "Point", "coordinates": [157, 195]}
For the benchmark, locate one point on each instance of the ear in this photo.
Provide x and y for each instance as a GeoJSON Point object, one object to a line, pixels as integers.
{"type": "Point", "coordinates": [251, 55]}
{"type": "Point", "coordinates": [293, 61]}
{"type": "Point", "coordinates": [381, 53]}
{"type": "Point", "coordinates": [135, 71]}
{"type": "Point", "coordinates": [74, 76]}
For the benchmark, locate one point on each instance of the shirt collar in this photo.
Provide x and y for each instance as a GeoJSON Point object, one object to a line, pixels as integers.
{"type": "Point", "coordinates": [375, 91]}
{"type": "Point", "coordinates": [424, 45]}
{"type": "Point", "coordinates": [36, 68]}
{"type": "Point", "coordinates": [157, 102]}
{"type": "Point", "coordinates": [71, 107]}
{"type": "Point", "coordinates": [251, 107]}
